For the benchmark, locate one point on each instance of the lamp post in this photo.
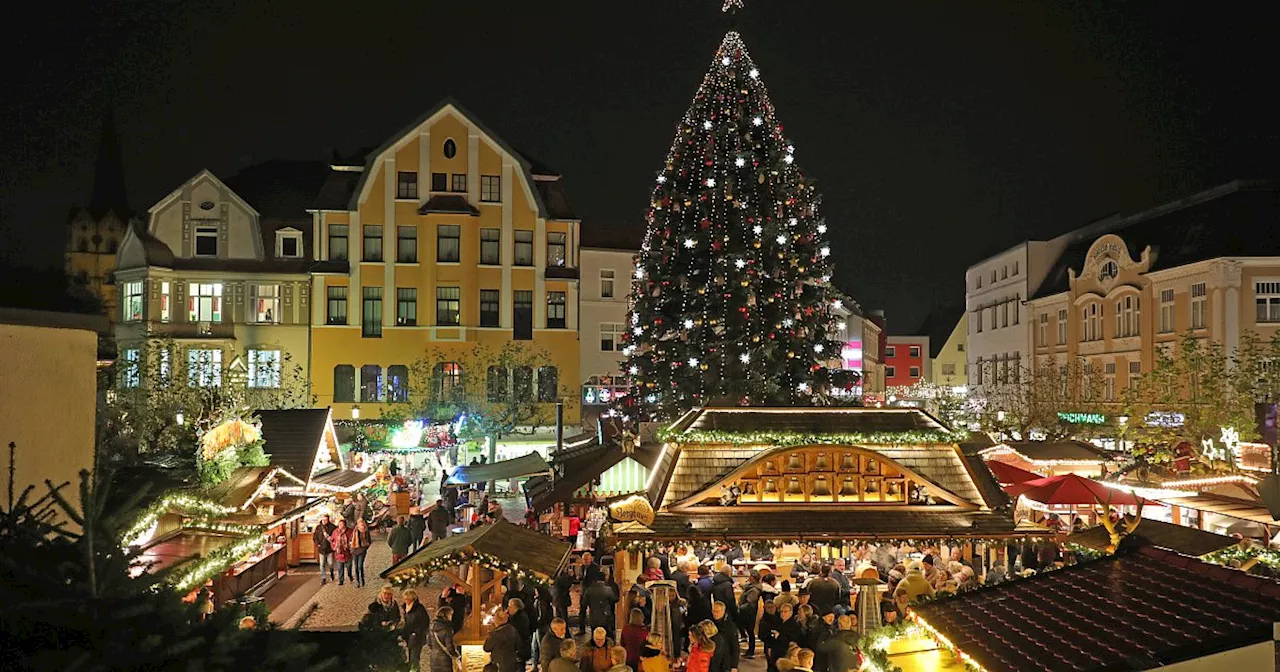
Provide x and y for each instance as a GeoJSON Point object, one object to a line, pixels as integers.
{"type": "Point", "coordinates": [355, 412]}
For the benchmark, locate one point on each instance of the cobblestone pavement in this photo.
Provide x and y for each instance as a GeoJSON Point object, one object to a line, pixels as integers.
{"type": "Point", "coordinates": [341, 607]}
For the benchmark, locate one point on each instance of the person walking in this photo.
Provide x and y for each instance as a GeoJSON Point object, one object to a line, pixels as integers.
{"type": "Point", "coordinates": [417, 527]}
{"type": "Point", "coordinates": [722, 590]}
{"type": "Point", "coordinates": [341, 542]}
{"type": "Point", "coordinates": [438, 520]}
{"type": "Point", "coordinates": [417, 624]}
{"type": "Point", "coordinates": [549, 645]}
{"type": "Point", "coordinates": [399, 540]}
{"type": "Point", "coordinates": [361, 540]}
{"type": "Point", "coordinates": [503, 644]}
{"type": "Point", "coordinates": [442, 650]}
{"type": "Point", "coordinates": [324, 550]}
{"type": "Point", "coordinates": [749, 611]}
{"type": "Point", "coordinates": [599, 600]}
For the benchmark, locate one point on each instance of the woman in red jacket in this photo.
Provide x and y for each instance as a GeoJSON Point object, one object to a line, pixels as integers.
{"type": "Point", "coordinates": [703, 647]}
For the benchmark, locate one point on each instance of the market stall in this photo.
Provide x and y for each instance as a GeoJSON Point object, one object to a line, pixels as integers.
{"type": "Point", "coordinates": [481, 559]}
{"type": "Point", "coordinates": [524, 466]}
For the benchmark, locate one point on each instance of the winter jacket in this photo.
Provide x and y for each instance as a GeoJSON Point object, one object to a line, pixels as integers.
{"type": "Point", "coordinates": [417, 525]}
{"type": "Point", "coordinates": [549, 650]}
{"type": "Point", "coordinates": [440, 645]}
{"type": "Point", "coordinates": [819, 633]}
{"type": "Point", "coordinates": [840, 652]}
{"type": "Point", "coordinates": [704, 584]}
{"type": "Point", "coordinates": [682, 581]}
{"type": "Point", "coordinates": [502, 646]}
{"type": "Point", "coordinates": [321, 537]}
{"type": "Point", "coordinates": [340, 540]}
{"type": "Point", "coordinates": [727, 648]}
{"type": "Point", "coordinates": [722, 591]}
{"type": "Point", "coordinates": [824, 594]}
{"type": "Point", "coordinates": [417, 622]}
{"type": "Point", "coordinates": [360, 541]}
{"type": "Point", "coordinates": [592, 658]}
{"type": "Point", "coordinates": [783, 634]}
{"type": "Point", "coordinates": [399, 540]}
{"type": "Point", "coordinates": [599, 599]}
{"type": "Point", "coordinates": [524, 630]}
{"type": "Point", "coordinates": [386, 616]}
{"type": "Point", "coordinates": [461, 605]}
{"type": "Point", "coordinates": [699, 659]}
{"type": "Point", "coordinates": [653, 660]}
{"type": "Point", "coordinates": [916, 585]}
{"type": "Point", "coordinates": [621, 668]}
{"type": "Point", "coordinates": [633, 638]}
{"type": "Point", "coordinates": [699, 607]}
{"type": "Point", "coordinates": [562, 664]}
{"type": "Point", "coordinates": [439, 519]}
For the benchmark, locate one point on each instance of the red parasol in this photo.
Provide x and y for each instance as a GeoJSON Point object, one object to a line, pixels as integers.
{"type": "Point", "coordinates": [1008, 475]}
{"type": "Point", "coordinates": [1072, 490]}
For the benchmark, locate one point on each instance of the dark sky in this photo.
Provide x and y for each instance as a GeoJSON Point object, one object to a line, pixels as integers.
{"type": "Point", "coordinates": [938, 132]}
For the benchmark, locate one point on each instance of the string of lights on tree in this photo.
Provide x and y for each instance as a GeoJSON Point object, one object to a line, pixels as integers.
{"type": "Point", "coordinates": [732, 295]}
{"type": "Point", "coordinates": [787, 439]}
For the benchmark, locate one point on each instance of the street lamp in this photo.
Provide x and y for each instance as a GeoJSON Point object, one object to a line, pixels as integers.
{"type": "Point", "coordinates": [355, 412]}
{"type": "Point", "coordinates": [1124, 420]}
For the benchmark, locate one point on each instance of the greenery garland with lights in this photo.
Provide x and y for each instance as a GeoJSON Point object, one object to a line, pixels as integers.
{"type": "Point", "coordinates": [647, 546]}
{"type": "Point", "coordinates": [199, 570]}
{"type": "Point", "coordinates": [179, 502]}
{"type": "Point", "coordinates": [874, 645]}
{"type": "Point", "coordinates": [1266, 556]}
{"type": "Point", "coordinates": [789, 439]}
{"type": "Point", "coordinates": [421, 573]}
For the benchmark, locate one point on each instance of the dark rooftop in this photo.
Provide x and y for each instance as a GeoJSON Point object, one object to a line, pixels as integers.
{"type": "Point", "coordinates": [533, 550]}
{"type": "Point", "coordinates": [1140, 609]}
{"type": "Point", "coordinates": [815, 420]}
{"type": "Point", "coordinates": [281, 188]}
{"type": "Point", "coordinates": [938, 326]}
{"type": "Point", "coordinates": [555, 198]}
{"type": "Point", "coordinates": [335, 193]}
{"type": "Point", "coordinates": [612, 236]}
{"type": "Point", "coordinates": [1179, 538]}
{"type": "Point", "coordinates": [1066, 449]}
{"type": "Point", "coordinates": [448, 204]}
{"type": "Point", "coordinates": [1234, 219]}
{"type": "Point", "coordinates": [292, 437]}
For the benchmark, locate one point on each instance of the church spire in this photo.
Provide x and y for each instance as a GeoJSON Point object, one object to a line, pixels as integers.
{"type": "Point", "coordinates": [109, 191]}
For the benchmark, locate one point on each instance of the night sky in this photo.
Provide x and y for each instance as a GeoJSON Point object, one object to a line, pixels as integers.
{"type": "Point", "coordinates": [938, 132]}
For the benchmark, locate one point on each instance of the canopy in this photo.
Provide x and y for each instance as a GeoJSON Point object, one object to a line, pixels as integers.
{"type": "Point", "coordinates": [527, 465]}
{"type": "Point", "coordinates": [1184, 540]}
{"type": "Point", "coordinates": [1008, 474]}
{"type": "Point", "coordinates": [1072, 490]}
{"type": "Point", "coordinates": [500, 545]}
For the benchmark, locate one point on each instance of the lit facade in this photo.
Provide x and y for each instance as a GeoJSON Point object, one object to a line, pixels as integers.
{"type": "Point", "coordinates": [606, 286]}
{"type": "Point", "coordinates": [906, 361]}
{"type": "Point", "coordinates": [217, 285]}
{"type": "Point", "coordinates": [950, 357]}
{"type": "Point", "coordinates": [444, 238]}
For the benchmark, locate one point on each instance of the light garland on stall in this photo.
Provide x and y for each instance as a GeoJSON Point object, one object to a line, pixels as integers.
{"type": "Point", "coordinates": [1243, 479]}
{"type": "Point", "coordinates": [789, 439]}
{"type": "Point", "coordinates": [179, 502]}
{"type": "Point", "coordinates": [200, 570]}
{"type": "Point", "coordinates": [654, 546]}
{"type": "Point", "coordinates": [1267, 556]}
{"type": "Point", "coordinates": [968, 661]}
{"type": "Point", "coordinates": [420, 574]}
{"type": "Point", "coordinates": [874, 645]}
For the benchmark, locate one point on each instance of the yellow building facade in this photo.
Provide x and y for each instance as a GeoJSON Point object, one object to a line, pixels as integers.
{"type": "Point", "coordinates": [949, 362]}
{"type": "Point", "coordinates": [444, 241]}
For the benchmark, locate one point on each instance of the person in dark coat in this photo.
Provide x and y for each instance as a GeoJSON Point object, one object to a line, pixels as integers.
{"type": "Point", "coordinates": [722, 590]}
{"type": "Point", "coordinates": [748, 610]}
{"type": "Point", "coordinates": [840, 650]}
{"type": "Point", "coordinates": [417, 623]}
{"type": "Point", "coordinates": [384, 612]}
{"type": "Point", "coordinates": [440, 644]}
{"type": "Point", "coordinates": [417, 526]}
{"type": "Point", "coordinates": [824, 591]}
{"type": "Point", "coordinates": [518, 617]}
{"type": "Point", "coordinates": [785, 631]}
{"type": "Point", "coordinates": [704, 583]}
{"type": "Point", "coordinates": [438, 520]}
{"type": "Point", "coordinates": [324, 548]}
{"type": "Point", "coordinates": [549, 645]}
{"type": "Point", "coordinates": [598, 601]}
{"type": "Point", "coordinates": [459, 603]}
{"type": "Point", "coordinates": [698, 607]}
{"type": "Point", "coordinates": [503, 645]}
{"type": "Point", "coordinates": [681, 577]}
{"type": "Point", "coordinates": [822, 629]}
{"type": "Point", "coordinates": [563, 588]}
{"type": "Point", "coordinates": [728, 650]}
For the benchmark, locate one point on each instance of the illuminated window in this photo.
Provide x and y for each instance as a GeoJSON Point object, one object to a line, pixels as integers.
{"type": "Point", "coordinates": [370, 382]}
{"type": "Point", "coordinates": [130, 372]}
{"type": "Point", "coordinates": [406, 306]}
{"type": "Point", "coordinates": [555, 249]}
{"type": "Point", "coordinates": [264, 368]}
{"type": "Point", "coordinates": [1198, 305]}
{"type": "Point", "coordinates": [164, 301]}
{"type": "Point", "coordinates": [606, 283]}
{"type": "Point", "coordinates": [1166, 311]}
{"type": "Point", "coordinates": [447, 380]}
{"type": "Point", "coordinates": [131, 307]}
{"type": "Point", "coordinates": [448, 306]}
{"type": "Point", "coordinates": [204, 368]}
{"type": "Point", "coordinates": [204, 303]}
{"type": "Point", "coordinates": [266, 303]}
{"type": "Point", "coordinates": [398, 383]}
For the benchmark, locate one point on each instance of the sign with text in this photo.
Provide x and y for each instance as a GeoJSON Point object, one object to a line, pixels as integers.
{"type": "Point", "coordinates": [1083, 418]}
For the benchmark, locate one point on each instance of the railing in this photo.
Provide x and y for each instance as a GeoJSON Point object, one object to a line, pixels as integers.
{"type": "Point", "coordinates": [194, 330]}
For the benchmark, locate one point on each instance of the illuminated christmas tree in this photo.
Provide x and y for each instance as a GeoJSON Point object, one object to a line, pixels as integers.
{"type": "Point", "coordinates": [732, 300]}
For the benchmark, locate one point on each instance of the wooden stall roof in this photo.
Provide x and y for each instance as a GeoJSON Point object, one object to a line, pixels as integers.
{"type": "Point", "coordinates": [286, 506]}
{"type": "Point", "coordinates": [1227, 506]}
{"type": "Point", "coordinates": [294, 437]}
{"type": "Point", "coordinates": [1048, 451]}
{"type": "Point", "coordinates": [343, 480]}
{"type": "Point", "coordinates": [696, 466]}
{"type": "Point", "coordinates": [1184, 540]}
{"type": "Point", "coordinates": [184, 545]}
{"type": "Point", "coordinates": [239, 488]}
{"type": "Point", "coordinates": [578, 467]}
{"type": "Point", "coordinates": [533, 550]}
{"type": "Point", "coordinates": [530, 464]}
{"type": "Point", "coordinates": [845, 523]}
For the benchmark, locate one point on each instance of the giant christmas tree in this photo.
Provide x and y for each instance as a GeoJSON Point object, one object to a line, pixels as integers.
{"type": "Point", "coordinates": [732, 301]}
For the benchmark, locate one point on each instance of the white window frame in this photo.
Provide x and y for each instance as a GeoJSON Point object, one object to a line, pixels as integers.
{"type": "Point", "coordinates": [1128, 316]}
{"type": "Point", "coordinates": [1166, 311]}
{"type": "Point", "coordinates": [890, 351]}
{"type": "Point", "coordinates": [607, 277]}
{"type": "Point", "coordinates": [613, 330]}
{"type": "Point", "coordinates": [131, 372]}
{"type": "Point", "coordinates": [265, 300]}
{"type": "Point", "coordinates": [204, 231]}
{"type": "Point", "coordinates": [204, 367]}
{"type": "Point", "coordinates": [890, 372]}
{"type": "Point", "coordinates": [1042, 330]}
{"type": "Point", "coordinates": [264, 369]}
{"type": "Point", "coordinates": [913, 351]}
{"type": "Point", "coordinates": [1266, 292]}
{"type": "Point", "coordinates": [913, 372]}
{"type": "Point", "coordinates": [196, 292]}
{"type": "Point", "coordinates": [1062, 326]}
{"type": "Point", "coordinates": [288, 233]}
{"type": "Point", "coordinates": [134, 302]}
{"type": "Point", "coordinates": [166, 301]}
{"type": "Point", "coordinates": [1199, 305]}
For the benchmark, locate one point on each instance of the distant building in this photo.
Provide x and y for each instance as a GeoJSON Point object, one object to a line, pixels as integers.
{"type": "Point", "coordinates": [608, 266]}
{"type": "Point", "coordinates": [94, 233]}
{"type": "Point", "coordinates": [861, 348]}
{"type": "Point", "coordinates": [949, 354]}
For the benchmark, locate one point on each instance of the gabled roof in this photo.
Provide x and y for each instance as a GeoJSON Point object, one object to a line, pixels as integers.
{"type": "Point", "coordinates": [293, 439]}
{"type": "Point", "coordinates": [939, 324]}
{"type": "Point", "coordinates": [1137, 610]}
{"type": "Point", "coordinates": [1177, 538]}
{"type": "Point", "coordinates": [245, 483]}
{"type": "Point", "coordinates": [1049, 451]}
{"type": "Point", "coordinates": [533, 551]}
{"type": "Point", "coordinates": [529, 464]}
{"type": "Point", "coordinates": [580, 465]}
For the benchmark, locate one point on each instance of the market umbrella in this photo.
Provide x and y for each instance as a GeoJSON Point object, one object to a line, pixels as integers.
{"type": "Point", "coordinates": [1007, 474]}
{"type": "Point", "coordinates": [1072, 490]}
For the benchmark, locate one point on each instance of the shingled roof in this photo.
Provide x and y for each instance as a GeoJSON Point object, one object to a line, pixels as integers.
{"type": "Point", "coordinates": [533, 550]}
{"type": "Point", "coordinates": [1141, 609]}
{"type": "Point", "coordinates": [293, 438]}
{"type": "Point", "coordinates": [1066, 449]}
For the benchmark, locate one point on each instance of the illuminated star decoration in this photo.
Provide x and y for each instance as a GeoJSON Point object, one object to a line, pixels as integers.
{"type": "Point", "coordinates": [731, 5]}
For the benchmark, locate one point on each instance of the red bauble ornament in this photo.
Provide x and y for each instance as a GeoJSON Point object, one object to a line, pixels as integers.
{"type": "Point", "coordinates": [717, 245]}
{"type": "Point", "coordinates": [705, 223]}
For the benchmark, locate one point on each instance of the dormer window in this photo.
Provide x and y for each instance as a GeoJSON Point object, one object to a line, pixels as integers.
{"type": "Point", "coordinates": [289, 244]}
{"type": "Point", "coordinates": [206, 243]}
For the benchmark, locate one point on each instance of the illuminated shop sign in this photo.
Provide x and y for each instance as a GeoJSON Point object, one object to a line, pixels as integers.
{"type": "Point", "coordinates": [1165, 419]}
{"type": "Point", "coordinates": [1083, 418]}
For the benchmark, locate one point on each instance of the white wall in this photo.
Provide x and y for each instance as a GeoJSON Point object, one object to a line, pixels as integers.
{"type": "Point", "coordinates": [243, 239]}
{"type": "Point", "coordinates": [595, 309]}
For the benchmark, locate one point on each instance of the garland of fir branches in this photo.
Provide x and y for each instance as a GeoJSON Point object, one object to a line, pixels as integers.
{"type": "Point", "coordinates": [790, 439]}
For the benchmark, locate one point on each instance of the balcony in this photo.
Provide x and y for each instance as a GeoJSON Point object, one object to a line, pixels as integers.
{"type": "Point", "coordinates": [192, 330]}
{"type": "Point", "coordinates": [561, 273]}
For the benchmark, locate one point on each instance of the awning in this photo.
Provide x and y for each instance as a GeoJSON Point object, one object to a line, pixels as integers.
{"type": "Point", "coordinates": [1224, 506]}
{"type": "Point", "coordinates": [527, 465]}
{"type": "Point", "coordinates": [499, 542]}
{"type": "Point", "coordinates": [1184, 540]}
{"type": "Point", "coordinates": [342, 480]}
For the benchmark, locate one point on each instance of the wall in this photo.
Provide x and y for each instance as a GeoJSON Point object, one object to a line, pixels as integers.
{"type": "Point", "coordinates": [952, 356]}
{"type": "Point", "coordinates": [49, 400]}
{"type": "Point", "coordinates": [902, 362]}
{"type": "Point", "coordinates": [596, 309]}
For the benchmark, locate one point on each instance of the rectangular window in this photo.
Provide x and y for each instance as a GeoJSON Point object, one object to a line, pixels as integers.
{"type": "Point", "coordinates": [406, 306]}
{"type": "Point", "coordinates": [337, 305]}
{"type": "Point", "coordinates": [993, 276]}
{"type": "Point", "coordinates": [524, 248]}
{"type": "Point", "coordinates": [491, 188]}
{"type": "Point", "coordinates": [890, 352]}
{"type": "Point", "coordinates": [491, 246]}
{"type": "Point", "coordinates": [448, 244]}
{"type": "Point", "coordinates": [978, 284]}
{"type": "Point", "coordinates": [448, 306]}
{"type": "Point", "coordinates": [890, 372]}
{"type": "Point", "coordinates": [555, 310]}
{"type": "Point", "coordinates": [439, 182]}
{"type": "Point", "coordinates": [371, 382]}
{"type": "Point", "coordinates": [371, 313]}
{"type": "Point", "coordinates": [131, 371]}
{"type": "Point", "coordinates": [1166, 311]}
{"type": "Point", "coordinates": [1004, 273]}
{"type": "Point", "coordinates": [1042, 330]}
{"type": "Point", "coordinates": [1062, 327]}
{"type": "Point", "coordinates": [606, 283]}
{"type": "Point", "coordinates": [978, 370]}
{"type": "Point", "coordinates": [372, 242]}
{"type": "Point", "coordinates": [610, 336]}
{"type": "Point", "coordinates": [522, 315]}
{"type": "Point", "coordinates": [459, 182]}
{"type": "Point", "coordinates": [164, 365]}
{"type": "Point", "coordinates": [131, 307]}
{"type": "Point", "coordinates": [1092, 319]}
{"type": "Point", "coordinates": [913, 372]}
{"type": "Point", "coordinates": [406, 184]}
{"type": "Point", "coordinates": [289, 244]}
{"type": "Point", "coordinates": [165, 299]}
{"type": "Point", "coordinates": [978, 322]}
{"type": "Point", "coordinates": [1198, 305]}
{"type": "Point", "coordinates": [993, 317]}
{"type": "Point", "coordinates": [266, 303]}
{"type": "Point", "coordinates": [949, 369]}
{"type": "Point", "coordinates": [407, 244]}
{"type": "Point", "coordinates": [913, 351]}
{"type": "Point", "coordinates": [1016, 308]}
{"type": "Point", "coordinates": [1015, 268]}
{"type": "Point", "coordinates": [264, 368]}
{"type": "Point", "coordinates": [1135, 368]}
{"type": "Point", "coordinates": [555, 249]}
{"type": "Point", "coordinates": [204, 302]}
{"type": "Point", "coordinates": [490, 300]}
{"type": "Point", "coordinates": [206, 241]}
{"type": "Point", "coordinates": [1267, 297]}
{"type": "Point", "coordinates": [1004, 314]}
{"type": "Point", "coordinates": [338, 242]}
{"type": "Point", "coordinates": [204, 368]}
{"type": "Point", "coordinates": [1109, 381]}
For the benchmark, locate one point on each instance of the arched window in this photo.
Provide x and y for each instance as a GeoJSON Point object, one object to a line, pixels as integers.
{"type": "Point", "coordinates": [371, 382]}
{"type": "Point", "coordinates": [447, 377]}
{"type": "Point", "coordinates": [398, 383]}
{"type": "Point", "coordinates": [496, 384]}
{"type": "Point", "coordinates": [548, 383]}
{"type": "Point", "coordinates": [344, 383]}
{"type": "Point", "coordinates": [522, 383]}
